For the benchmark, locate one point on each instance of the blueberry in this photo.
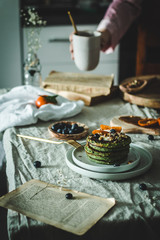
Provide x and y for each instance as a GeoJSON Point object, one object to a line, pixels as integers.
{"type": "Point", "coordinates": [142, 186]}
{"type": "Point", "coordinates": [65, 131]}
{"type": "Point", "coordinates": [96, 135]}
{"type": "Point", "coordinates": [150, 137]}
{"type": "Point", "coordinates": [69, 195]}
{"type": "Point", "coordinates": [59, 130]}
{"type": "Point", "coordinates": [69, 125]}
{"type": "Point", "coordinates": [80, 129]}
{"type": "Point", "coordinates": [75, 130]}
{"type": "Point", "coordinates": [64, 128]}
{"type": "Point", "coordinates": [71, 131]}
{"type": "Point", "coordinates": [61, 125]}
{"type": "Point", "coordinates": [37, 164]}
{"type": "Point", "coordinates": [74, 126]}
{"type": "Point", "coordinates": [112, 130]}
{"type": "Point", "coordinates": [55, 127]}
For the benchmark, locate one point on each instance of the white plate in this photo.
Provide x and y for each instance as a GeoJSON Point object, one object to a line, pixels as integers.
{"type": "Point", "coordinates": [144, 164]}
{"type": "Point", "coordinates": [80, 158]}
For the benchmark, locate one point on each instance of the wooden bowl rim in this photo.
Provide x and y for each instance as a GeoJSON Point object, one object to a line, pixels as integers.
{"type": "Point", "coordinates": [69, 136]}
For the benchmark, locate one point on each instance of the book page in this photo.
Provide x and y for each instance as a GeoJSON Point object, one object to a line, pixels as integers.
{"type": "Point", "coordinates": [47, 203]}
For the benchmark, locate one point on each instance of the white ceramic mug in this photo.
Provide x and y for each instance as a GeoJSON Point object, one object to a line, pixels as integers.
{"type": "Point", "coordinates": [86, 47]}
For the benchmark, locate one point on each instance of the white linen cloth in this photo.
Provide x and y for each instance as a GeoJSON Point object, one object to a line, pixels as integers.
{"type": "Point", "coordinates": [17, 107]}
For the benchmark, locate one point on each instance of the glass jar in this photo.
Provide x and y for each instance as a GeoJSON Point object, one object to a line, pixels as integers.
{"type": "Point", "coordinates": [32, 70]}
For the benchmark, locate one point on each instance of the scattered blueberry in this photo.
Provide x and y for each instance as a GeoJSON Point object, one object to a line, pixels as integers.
{"type": "Point", "coordinates": [112, 130]}
{"type": "Point", "coordinates": [37, 164]}
{"type": "Point", "coordinates": [142, 186]}
{"type": "Point", "coordinates": [150, 137]}
{"type": "Point", "coordinates": [69, 195]}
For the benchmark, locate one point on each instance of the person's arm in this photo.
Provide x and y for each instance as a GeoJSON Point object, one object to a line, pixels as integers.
{"type": "Point", "coordinates": [117, 19]}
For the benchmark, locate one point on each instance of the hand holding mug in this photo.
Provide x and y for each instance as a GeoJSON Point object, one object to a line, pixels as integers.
{"type": "Point", "coordinates": [105, 41]}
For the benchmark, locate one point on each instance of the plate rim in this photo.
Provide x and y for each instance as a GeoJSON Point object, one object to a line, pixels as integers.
{"type": "Point", "coordinates": [137, 171]}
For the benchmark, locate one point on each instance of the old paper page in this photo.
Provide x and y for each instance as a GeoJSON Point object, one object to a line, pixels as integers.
{"type": "Point", "coordinates": [47, 203]}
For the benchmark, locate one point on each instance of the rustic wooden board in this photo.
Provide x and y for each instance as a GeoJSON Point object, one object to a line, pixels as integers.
{"type": "Point", "coordinates": [79, 82]}
{"type": "Point", "coordinates": [147, 97]}
{"type": "Point", "coordinates": [129, 124]}
{"type": "Point", "coordinates": [88, 99]}
{"type": "Point", "coordinates": [90, 88]}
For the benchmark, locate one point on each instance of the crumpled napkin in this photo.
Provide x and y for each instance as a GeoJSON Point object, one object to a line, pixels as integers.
{"type": "Point", "coordinates": [17, 107]}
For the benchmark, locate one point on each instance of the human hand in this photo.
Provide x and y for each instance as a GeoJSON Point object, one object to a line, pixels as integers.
{"type": "Point", "coordinates": [71, 45]}
{"type": "Point", "coordinates": [105, 39]}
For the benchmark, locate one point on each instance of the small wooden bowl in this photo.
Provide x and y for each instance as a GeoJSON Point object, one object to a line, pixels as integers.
{"type": "Point", "coordinates": [124, 86]}
{"type": "Point", "coordinates": [74, 136]}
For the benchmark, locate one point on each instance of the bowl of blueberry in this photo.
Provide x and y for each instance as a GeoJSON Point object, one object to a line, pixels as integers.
{"type": "Point", "coordinates": [68, 130]}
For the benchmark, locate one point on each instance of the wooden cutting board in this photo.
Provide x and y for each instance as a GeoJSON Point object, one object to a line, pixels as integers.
{"type": "Point", "coordinates": [129, 124]}
{"type": "Point", "coordinates": [149, 96]}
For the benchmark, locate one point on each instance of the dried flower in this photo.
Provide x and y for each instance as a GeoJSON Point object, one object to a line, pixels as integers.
{"type": "Point", "coordinates": [34, 24]}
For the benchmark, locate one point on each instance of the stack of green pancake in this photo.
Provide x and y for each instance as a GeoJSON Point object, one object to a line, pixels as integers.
{"type": "Point", "coordinates": [108, 148]}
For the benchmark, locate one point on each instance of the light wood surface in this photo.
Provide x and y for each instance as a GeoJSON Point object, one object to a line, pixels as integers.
{"type": "Point", "coordinates": [89, 99]}
{"type": "Point", "coordinates": [148, 96]}
{"type": "Point", "coordinates": [132, 125]}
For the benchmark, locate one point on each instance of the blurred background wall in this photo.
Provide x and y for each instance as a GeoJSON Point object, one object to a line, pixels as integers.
{"type": "Point", "coordinates": [10, 44]}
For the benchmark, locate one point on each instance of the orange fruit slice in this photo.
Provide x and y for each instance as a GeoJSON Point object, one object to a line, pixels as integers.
{"type": "Point", "coordinates": [98, 131]}
{"type": "Point", "coordinates": [106, 127]}
{"type": "Point", "coordinates": [147, 122]}
{"type": "Point", "coordinates": [158, 119]}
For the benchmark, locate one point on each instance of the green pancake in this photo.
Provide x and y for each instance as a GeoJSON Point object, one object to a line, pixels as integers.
{"type": "Point", "coordinates": [106, 154]}
{"type": "Point", "coordinates": [108, 148]}
{"type": "Point", "coordinates": [105, 149]}
{"type": "Point", "coordinates": [107, 161]}
{"type": "Point", "coordinates": [106, 157]}
{"type": "Point", "coordinates": [117, 142]}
